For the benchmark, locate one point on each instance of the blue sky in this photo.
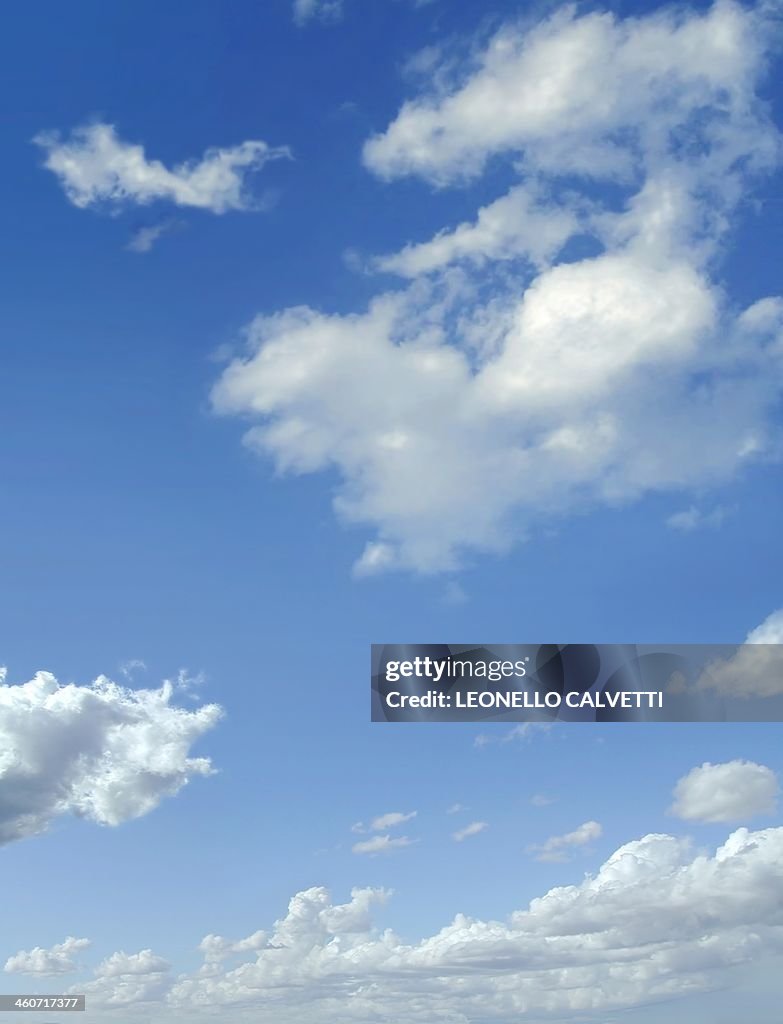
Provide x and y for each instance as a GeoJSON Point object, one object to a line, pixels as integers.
{"type": "Point", "coordinates": [565, 426]}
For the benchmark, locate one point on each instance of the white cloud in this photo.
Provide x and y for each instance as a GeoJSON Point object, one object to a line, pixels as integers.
{"type": "Point", "coordinates": [541, 800]}
{"type": "Point", "coordinates": [656, 922]}
{"type": "Point", "coordinates": [693, 518]}
{"type": "Point", "coordinates": [491, 394]}
{"type": "Point", "coordinates": [521, 731]}
{"type": "Point", "coordinates": [95, 166]}
{"type": "Point", "coordinates": [390, 820]}
{"type": "Point", "coordinates": [144, 238]}
{"type": "Point", "coordinates": [472, 829]}
{"type": "Point", "coordinates": [518, 225]}
{"type": "Point", "coordinates": [57, 960]}
{"type": "Point", "coordinates": [127, 979]}
{"type": "Point", "coordinates": [734, 791]}
{"type": "Point", "coordinates": [215, 948]}
{"type": "Point", "coordinates": [566, 94]}
{"type": "Point", "coordinates": [558, 848]}
{"type": "Point", "coordinates": [384, 822]}
{"type": "Point", "coordinates": [756, 669]}
{"type": "Point", "coordinates": [102, 752]}
{"type": "Point", "coordinates": [455, 809]}
{"type": "Point", "coordinates": [382, 844]}
{"type": "Point", "coordinates": [320, 10]}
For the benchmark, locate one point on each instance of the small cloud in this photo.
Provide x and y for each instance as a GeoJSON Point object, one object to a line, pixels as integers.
{"type": "Point", "coordinates": [522, 731]}
{"type": "Point", "coordinates": [557, 848]}
{"type": "Point", "coordinates": [453, 594]}
{"type": "Point", "coordinates": [382, 844]}
{"type": "Point", "coordinates": [130, 667]}
{"type": "Point", "coordinates": [730, 792]}
{"type": "Point", "coordinates": [306, 11]}
{"type": "Point", "coordinates": [455, 809]}
{"type": "Point", "coordinates": [469, 830]}
{"type": "Point", "coordinates": [693, 518]}
{"type": "Point", "coordinates": [541, 800]}
{"type": "Point", "coordinates": [96, 167]}
{"type": "Point", "coordinates": [386, 821]}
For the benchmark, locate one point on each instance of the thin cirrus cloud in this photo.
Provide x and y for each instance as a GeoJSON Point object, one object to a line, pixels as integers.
{"type": "Point", "coordinates": [558, 849]}
{"type": "Point", "coordinates": [500, 384]}
{"type": "Point", "coordinates": [95, 166]}
{"type": "Point", "coordinates": [735, 791]}
{"type": "Point", "coordinates": [629, 935]}
{"type": "Point", "coordinates": [60, 959]}
{"type": "Point", "coordinates": [101, 752]}
{"type": "Point", "coordinates": [385, 821]}
{"type": "Point", "coordinates": [694, 518]}
{"type": "Point", "coordinates": [382, 844]}
{"type": "Point", "coordinates": [305, 11]}
{"type": "Point", "coordinates": [473, 829]}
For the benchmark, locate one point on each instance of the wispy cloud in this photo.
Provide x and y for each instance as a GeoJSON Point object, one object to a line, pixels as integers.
{"type": "Point", "coordinates": [693, 518]}
{"type": "Point", "coordinates": [469, 830]}
{"type": "Point", "coordinates": [306, 11]}
{"type": "Point", "coordinates": [558, 848]}
{"type": "Point", "coordinates": [382, 844]}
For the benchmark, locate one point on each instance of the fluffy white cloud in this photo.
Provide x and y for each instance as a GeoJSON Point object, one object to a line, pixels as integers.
{"type": "Point", "coordinates": [558, 848]}
{"type": "Point", "coordinates": [472, 829]}
{"type": "Point", "coordinates": [322, 10]}
{"type": "Point", "coordinates": [129, 979]}
{"type": "Point", "coordinates": [657, 921]}
{"type": "Point", "coordinates": [567, 95]}
{"type": "Point", "coordinates": [382, 844]}
{"type": "Point", "coordinates": [498, 389]}
{"type": "Point", "coordinates": [519, 224]}
{"type": "Point", "coordinates": [57, 960]}
{"type": "Point", "coordinates": [756, 669]}
{"type": "Point", "coordinates": [95, 166]}
{"type": "Point", "coordinates": [734, 791]}
{"type": "Point", "coordinates": [102, 752]}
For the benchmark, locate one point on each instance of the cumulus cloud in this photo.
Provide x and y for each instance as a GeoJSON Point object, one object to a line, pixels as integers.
{"type": "Point", "coordinates": [564, 93]}
{"type": "Point", "coordinates": [734, 791]}
{"type": "Point", "coordinates": [472, 829]}
{"type": "Point", "coordinates": [657, 921]}
{"type": "Point", "coordinates": [382, 844]}
{"type": "Point", "coordinates": [95, 166]}
{"type": "Point", "coordinates": [317, 10]}
{"type": "Point", "coordinates": [505, 383]}
{"type": "Point", "coordinates": [558, 848]}
{"type": "Point", "coordinates": [756, 669]}
{"type": "Point", "coordinates": [57, 960]}
{"type": "Point", "coordinates": [129, 979]}
{"type": "Point", "coordinates": [102, 751]}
